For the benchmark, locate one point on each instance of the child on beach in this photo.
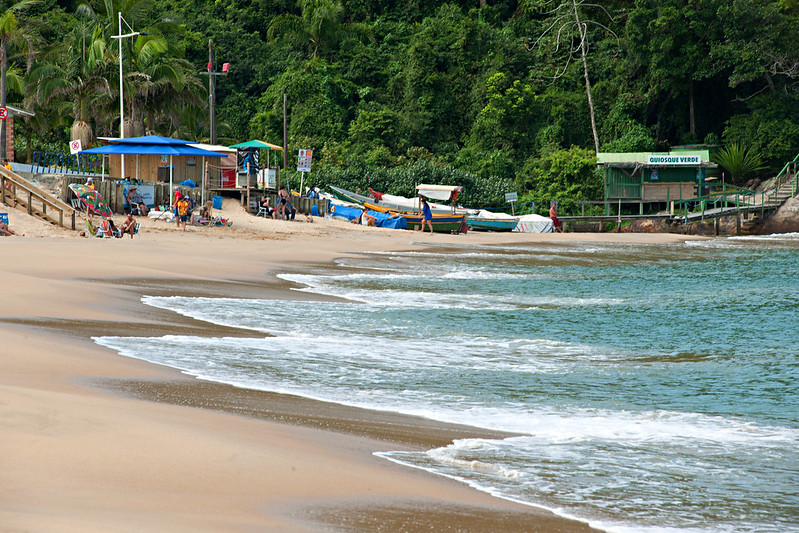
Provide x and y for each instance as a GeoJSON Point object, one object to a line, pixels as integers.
{"type": "Point", "coordinates": [183, 208]}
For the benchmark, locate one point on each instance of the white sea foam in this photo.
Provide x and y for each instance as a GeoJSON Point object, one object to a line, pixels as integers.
{"type": "Point", "coordinates": [621, 414]}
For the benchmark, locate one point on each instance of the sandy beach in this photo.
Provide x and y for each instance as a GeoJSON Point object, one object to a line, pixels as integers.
{"type": "Point", "coordinates": [94, 441]}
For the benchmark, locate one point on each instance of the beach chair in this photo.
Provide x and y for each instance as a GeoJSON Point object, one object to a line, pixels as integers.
{"type": "Point", "coordinates": [105, 230]}
{"type": "Point", "coordinates": [90, 229]}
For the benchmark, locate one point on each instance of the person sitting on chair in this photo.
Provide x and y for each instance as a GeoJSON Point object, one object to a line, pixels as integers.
{"type": "Point", "coordinates": [268, 210]}
{"type": "Point", "coordinates": [136, 202]}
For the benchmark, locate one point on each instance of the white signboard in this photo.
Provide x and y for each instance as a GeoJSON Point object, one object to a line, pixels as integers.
{"type": "Point", "coordinates": [267, 178]}
{"type": "Point", "coordinates": [511, 197]}
{"type": "Point", "coordinates": [672, 159]}
{"type": "Point", "coordinates": [304, 161]}
{"type": "Point", "coordinates": [74, 147]}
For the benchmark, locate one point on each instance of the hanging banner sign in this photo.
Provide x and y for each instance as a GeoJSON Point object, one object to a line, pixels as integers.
{"type": "Point", "coordinates": [673, 160]}
{"type": "Point", "coordinates": [248, 160]}
{"type": "Point", "coordinates": [304, 161]}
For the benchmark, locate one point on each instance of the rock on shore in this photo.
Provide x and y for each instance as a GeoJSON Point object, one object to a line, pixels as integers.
{"type": "Point", "coordinates": [785, 220]}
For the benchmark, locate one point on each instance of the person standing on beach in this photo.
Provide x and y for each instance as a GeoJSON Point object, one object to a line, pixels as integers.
{"type": "Point", "coordinates": [553, 214]}
{"type": "Point", "coordinates": [183, 206]}
{"type": "Point", "coordinates": [427, 215]}
{"type": "Point", "coordinates": [176, 198]}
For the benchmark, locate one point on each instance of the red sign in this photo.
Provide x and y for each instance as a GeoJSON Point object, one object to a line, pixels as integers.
{"type": "Point", "coordinates": [3, 113]}
{"type": "Point", "coordinates": [228, 178]}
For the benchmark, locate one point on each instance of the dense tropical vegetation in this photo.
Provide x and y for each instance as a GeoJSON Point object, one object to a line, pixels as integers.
{"type": "Point", "coordinates": [496, 95]}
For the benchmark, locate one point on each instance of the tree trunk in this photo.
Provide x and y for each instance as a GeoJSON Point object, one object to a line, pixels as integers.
{"type": "Point", "coordinates": [83, 131]}
{"type": "Point", "coordinates": [691, 121]}
{"type": "Point", "coordinates": [584, 54]}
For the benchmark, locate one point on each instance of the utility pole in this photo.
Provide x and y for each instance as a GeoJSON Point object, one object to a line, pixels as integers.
{"type": "Point", "coordinates": [285, 136]}
{"type": "Point", "coordinates": [212, 74]}
{"type": "Point", "coordinates": [212, 90]}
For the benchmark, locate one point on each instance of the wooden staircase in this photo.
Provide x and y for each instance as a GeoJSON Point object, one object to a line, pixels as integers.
{"type": "Point", "coordinates": [783, 192]}
{"type": "Point", "coordinates": [19, 193]}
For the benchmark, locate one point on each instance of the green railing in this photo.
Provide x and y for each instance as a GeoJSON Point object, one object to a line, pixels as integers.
{"type": "Point", "coordinates": [729, 196]}
{"type": "Point", "coordinates": [785, 174]}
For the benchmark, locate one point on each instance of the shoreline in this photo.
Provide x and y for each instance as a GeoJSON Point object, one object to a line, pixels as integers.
{"type": "Point", "coordinates": [298, 470]}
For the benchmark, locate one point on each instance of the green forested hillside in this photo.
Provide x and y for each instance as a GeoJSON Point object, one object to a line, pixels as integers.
{"type": "Point", "coordinates": [489, 94]}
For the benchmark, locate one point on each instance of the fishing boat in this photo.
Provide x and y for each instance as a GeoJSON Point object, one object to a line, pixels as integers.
{"type": "Point", "coordinates": [491, 224]}
{"type": "Point", "coordinates": [446, 192]}
{"type": "Point", "coordinates": [442, 222]}
{"type": "Point", "coordinates": [349, 196]}
{"type": "Point", "coordinates": [402, 203]}
{"type": "Point", "coordinates": [490, 221]}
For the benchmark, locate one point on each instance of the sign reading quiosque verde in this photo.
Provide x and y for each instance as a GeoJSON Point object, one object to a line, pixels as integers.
{"type": "Point", "coordinates": [672, 159]}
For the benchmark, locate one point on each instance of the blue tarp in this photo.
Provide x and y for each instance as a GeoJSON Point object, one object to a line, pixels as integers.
{"type": "Point", "coordinates": [383, 220]}
{"type": "Point", "coordinates": [153, 149]}
{"type": "Point", "coordinates": [389, 221]}
{"type": "Point", "coordinates": [344, 212]}
{"type": "Point", "coordinates": [151, 145]}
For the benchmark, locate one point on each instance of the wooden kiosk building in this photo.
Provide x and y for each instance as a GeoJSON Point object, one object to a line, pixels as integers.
{"type": "Point", "coordinates": [654, 178]}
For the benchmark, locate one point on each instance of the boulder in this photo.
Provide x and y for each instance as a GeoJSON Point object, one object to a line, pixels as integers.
{"type": "Point", "coordinates": [785, 220]}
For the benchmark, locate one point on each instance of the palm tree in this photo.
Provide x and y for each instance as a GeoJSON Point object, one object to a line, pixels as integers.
{"type": "Point", "coordinates": [77, 71]}
{"type": "Point", "coordinates": [12, 31]}
{"type": "Point", "coordinates": [161, 83]}
{"type": "Point", "coordinates": [738, 161]}
{"type": "Point", "coordinates": [320, 26]}
{"type": "Point", "coordinates": [157, 80]}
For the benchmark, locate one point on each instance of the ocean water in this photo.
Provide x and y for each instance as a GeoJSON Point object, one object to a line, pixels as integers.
{"type": "Point", "coordinates": [651, 387]}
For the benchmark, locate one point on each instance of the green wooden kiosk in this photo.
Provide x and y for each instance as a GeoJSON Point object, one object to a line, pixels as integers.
{"type": "Point", "coordinates": [653, 177]}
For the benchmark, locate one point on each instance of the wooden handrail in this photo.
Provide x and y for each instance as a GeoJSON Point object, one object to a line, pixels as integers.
{"type": "Point", "coordinates": [12, 184]}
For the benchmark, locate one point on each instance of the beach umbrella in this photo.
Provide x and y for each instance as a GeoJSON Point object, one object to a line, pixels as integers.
{"type": "Point", "coordinates": [92, 199]}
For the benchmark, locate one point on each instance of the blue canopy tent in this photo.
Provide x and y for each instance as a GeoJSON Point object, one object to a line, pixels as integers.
{"type": "Point", "coordinates": [153, 145]}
